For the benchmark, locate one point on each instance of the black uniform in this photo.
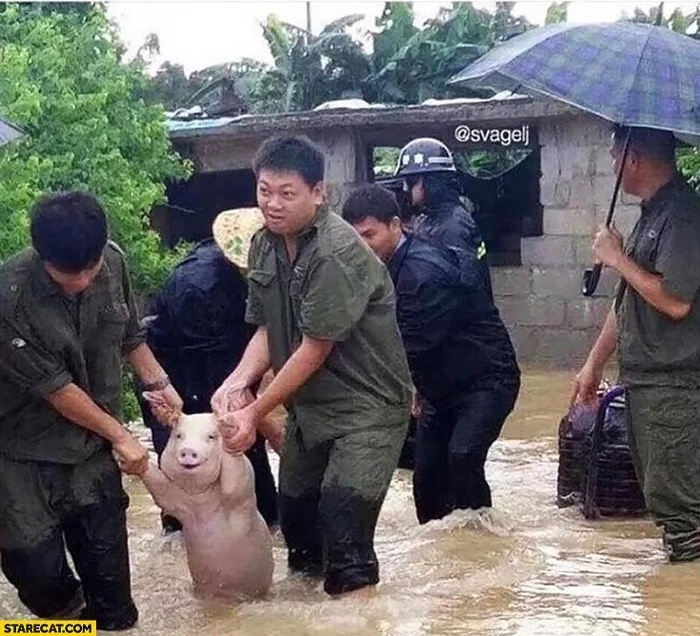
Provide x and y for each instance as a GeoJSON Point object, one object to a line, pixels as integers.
{"type": "Point", "coordinates": [452, 224]}
{"type": "Point", "coordinates": [463, 365]}
{"type": "Point", "coordinates": [198, 335]}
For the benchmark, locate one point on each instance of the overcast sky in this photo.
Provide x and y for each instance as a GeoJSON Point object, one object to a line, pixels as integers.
{"type": "Point", "coordinates": [199, 33]}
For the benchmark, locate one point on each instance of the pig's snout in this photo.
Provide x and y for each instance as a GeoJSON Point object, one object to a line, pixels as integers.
{"type": "Point", "coordinates": [189, 457]}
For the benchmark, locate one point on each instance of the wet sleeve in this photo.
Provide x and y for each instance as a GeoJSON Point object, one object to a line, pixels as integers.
{"type": "Point", "coordinates": [27, 364]}
{"type": "Point", "coordinates": [426, 313]}
{"type": "Point", "coordinates": [678, 259]}
{"type": "Point", "coordinates": [135, 332]}
{"type": "Point", "coordinates": [337, 294]}
{"type": "Point", "coordinates": [254, 314]}
{"type": "Point", "coordinates": [460, 231]}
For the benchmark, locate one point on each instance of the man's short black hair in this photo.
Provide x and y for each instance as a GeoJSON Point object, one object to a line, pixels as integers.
{"type": "Point", "coordinates": [291, 154]}
{"type": "Point", "coordinates": [658, 145]}
{"type": "Point", "coordinates": [69, 230]}
{"type": "Point", "coordinates": [373, 201]}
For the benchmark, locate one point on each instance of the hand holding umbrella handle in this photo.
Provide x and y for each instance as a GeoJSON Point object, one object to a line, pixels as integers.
{"type": "Point", "coordinates": [591, 277]}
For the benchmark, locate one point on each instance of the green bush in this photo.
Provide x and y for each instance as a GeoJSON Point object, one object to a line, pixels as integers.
{"type": "Point", "coordinates": [689, 165]}
{"type": "Point", "coordinates": [64, 81]}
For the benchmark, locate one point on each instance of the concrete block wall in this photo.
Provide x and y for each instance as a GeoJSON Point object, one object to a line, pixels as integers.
{"type": "Point", "coordinates": [552, 324]}
{"type": "Point", "coordinates": [341, 159]}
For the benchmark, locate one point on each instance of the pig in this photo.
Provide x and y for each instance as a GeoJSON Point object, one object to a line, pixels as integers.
{"type": "Point", "coordinates": [212, 494]}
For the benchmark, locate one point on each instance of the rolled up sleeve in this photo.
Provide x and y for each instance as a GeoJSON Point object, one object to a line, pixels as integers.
{"type": "Point", "coordinates": [678, 258]}
{"type": "Point", "coordinates": [336, 297]}
{"type": "Point", "coordinates": [27, 364]}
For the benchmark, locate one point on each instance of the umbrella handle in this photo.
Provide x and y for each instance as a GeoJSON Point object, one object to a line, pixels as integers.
{"type": "Point", "coordinates": [591, 276]}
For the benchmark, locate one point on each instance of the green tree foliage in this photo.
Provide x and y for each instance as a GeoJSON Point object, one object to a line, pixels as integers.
{"type": "Point", "coordinates": [64, 81]}
{"type": "Point", "coordinates": [557, 12]}
{"type": "Point", "coordinates": [676, 20]}
{"type": "Point", "coordinates": [310, 69]}
{"type": "Point", "coordinates": [407, 63]}
{"type": "Point", "coordinates": [417, 68]}
{"type": "Point", "coordinates": [396, 28]}
{"type": "Point", "coordinates": [170, 86]}
{"type": "Point", "coordinates": [689, 165]}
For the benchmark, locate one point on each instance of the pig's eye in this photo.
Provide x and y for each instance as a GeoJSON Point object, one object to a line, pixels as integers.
{"type": "Point", "coordinates": [178, 435]}
{"type": "Point", "coordinates": [213, 437]}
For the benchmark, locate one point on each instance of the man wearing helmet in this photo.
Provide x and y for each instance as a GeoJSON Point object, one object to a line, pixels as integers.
{"type": "Point", "coordinates": [462, 423]}
{"type": "Point", "coordinates": [430, 180]}
{"type": "Point", "coordinates": [459, 353]}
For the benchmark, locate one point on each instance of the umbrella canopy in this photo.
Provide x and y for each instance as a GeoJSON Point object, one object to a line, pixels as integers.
{"type": "Point", "coordinates": [631, 74]}
{"type": "Point", "coordinates": [9, 132]}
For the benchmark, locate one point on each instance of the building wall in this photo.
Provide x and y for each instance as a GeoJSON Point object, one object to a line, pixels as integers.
{"type": "Point", "coordinates": [551, 322]}
{"type": "Point", "coordinates": [343, 168]}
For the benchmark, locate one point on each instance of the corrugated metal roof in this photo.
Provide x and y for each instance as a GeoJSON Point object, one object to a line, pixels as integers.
{"type": "Point", "coordinates": [204, 123]}
{"type": "Point", "coordinates": [458, 110]}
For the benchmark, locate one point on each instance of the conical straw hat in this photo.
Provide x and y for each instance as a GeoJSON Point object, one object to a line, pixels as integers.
{"type": "Point", "coordinates": [233, 231]}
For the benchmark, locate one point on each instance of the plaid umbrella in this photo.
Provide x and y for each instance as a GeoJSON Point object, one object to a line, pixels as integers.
{"type": "Point", "coordinates": [9, 132]}
{"type": "Point", "coordinates": [630, 74]}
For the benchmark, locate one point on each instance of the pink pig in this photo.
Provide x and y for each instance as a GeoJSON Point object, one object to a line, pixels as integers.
{"type": "Point", "coordinates": [212, 493]}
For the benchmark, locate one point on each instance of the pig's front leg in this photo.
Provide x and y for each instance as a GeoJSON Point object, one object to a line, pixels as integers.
{"type": "Point", "coordinates": [169, 497]}
{"type": "Point", "coordinates": [237, 478]}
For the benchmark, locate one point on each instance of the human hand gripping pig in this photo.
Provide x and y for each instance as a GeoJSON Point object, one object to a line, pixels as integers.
{"type": "Point", "coordinates": [239, 421]}
{"type": "Point", "coordinates": [166, 405]}
{"type": "Point", "coordinates": [212, 493]}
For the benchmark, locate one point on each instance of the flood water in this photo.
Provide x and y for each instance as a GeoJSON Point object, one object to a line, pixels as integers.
{"type": "Point", "coordinates": [532, 569]}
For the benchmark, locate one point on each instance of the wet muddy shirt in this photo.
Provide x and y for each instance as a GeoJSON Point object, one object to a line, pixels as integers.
{"type": "Point", "coordinates": [48, 340]}
{"type": "Point", "coordinates": [652, 347]}
{"type": "Point", "coordinates": [336, 289]}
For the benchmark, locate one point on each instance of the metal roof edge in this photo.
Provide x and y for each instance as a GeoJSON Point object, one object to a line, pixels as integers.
{"type": "Point", "coordinates": [246, 125]}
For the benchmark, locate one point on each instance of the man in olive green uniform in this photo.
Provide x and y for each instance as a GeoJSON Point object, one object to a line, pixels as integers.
{"type": "Point", "coordinates": [655, 326]}
{"type": "Point", "coordinates": [67, 317]}
{"type": "Point", "coordinates": [325, 311]}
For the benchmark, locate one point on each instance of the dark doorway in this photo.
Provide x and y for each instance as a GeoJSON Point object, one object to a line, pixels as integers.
{"type": "Point", "coordinates": [193, 204]}
{"type": "Point", "coordinates": [505, 186]}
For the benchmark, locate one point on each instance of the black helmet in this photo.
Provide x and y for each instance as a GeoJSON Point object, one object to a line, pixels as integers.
{"type": "Point", "coordinates": [422, 156]}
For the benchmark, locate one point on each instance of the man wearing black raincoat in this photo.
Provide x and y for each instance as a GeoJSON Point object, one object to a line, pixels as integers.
{"type": "Point", "coordinates": [432, 190]}
{"type": "Point", "coordinates": [460, 355]}
{"type": "Point", "coordinates": [198, 332]}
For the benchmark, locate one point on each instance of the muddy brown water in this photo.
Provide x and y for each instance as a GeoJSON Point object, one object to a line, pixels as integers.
{"type": "Point", "coordinates": [530, 569]}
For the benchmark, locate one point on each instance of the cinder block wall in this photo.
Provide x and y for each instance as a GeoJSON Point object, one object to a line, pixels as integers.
{"type": "Point", "coordinates": [551, 322]}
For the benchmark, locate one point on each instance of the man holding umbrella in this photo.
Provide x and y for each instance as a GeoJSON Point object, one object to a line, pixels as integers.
{"type": "Point", "coordinates": [655, 327]}
{"type": "Point", "coordinates": [646, 78]}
